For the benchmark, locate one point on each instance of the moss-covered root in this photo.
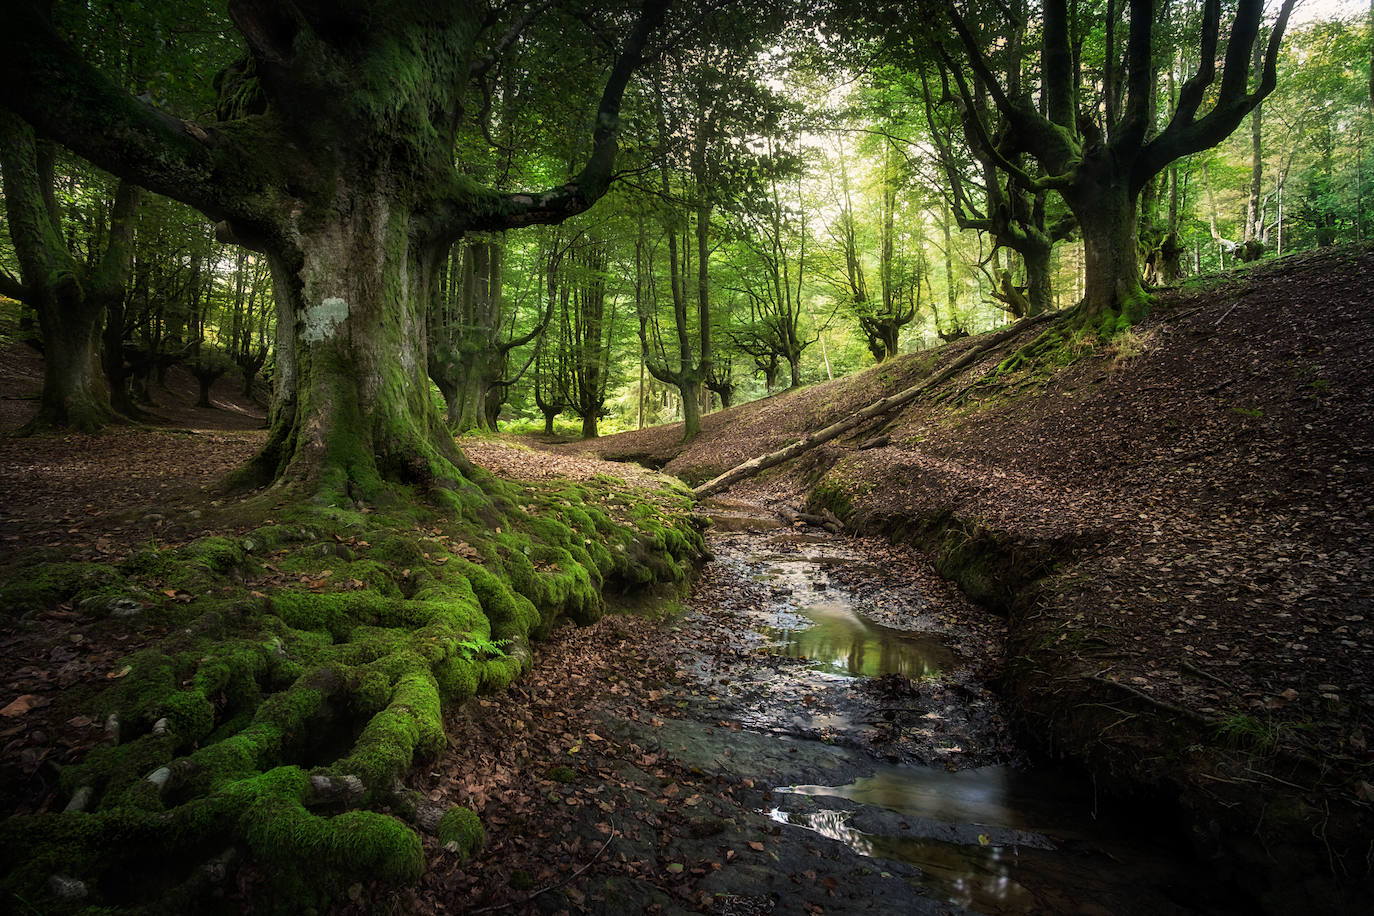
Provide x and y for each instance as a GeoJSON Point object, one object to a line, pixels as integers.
{"type": "Point", "coordinates": [460, 830]}
{"type": "Point", "coordinates": [263, 726]}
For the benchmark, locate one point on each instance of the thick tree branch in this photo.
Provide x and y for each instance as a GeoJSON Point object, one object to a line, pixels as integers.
{"type": "Point", "coordinates": [1192, 91]}
{"type": "Point", "coordinates": [554, 205]}
{"type": "Point", "coordinates": [1140, 78]}
{"type": "Point", "coordinates": [46, 82]}
{"type": "Point", "coordinates": [44, 261]}
{"type": "Point", "coordinates": [11, 288]}
{"type": "Point", "coordinates": [1186, 135]}
{"type": "Point", "coordinates": [1053, 144]}
{"type": "Point", "coordinates": [1057, 60]}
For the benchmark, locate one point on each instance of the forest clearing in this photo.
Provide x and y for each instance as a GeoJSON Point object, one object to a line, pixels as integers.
{"type": "Point", "coordinates": [661, 457]}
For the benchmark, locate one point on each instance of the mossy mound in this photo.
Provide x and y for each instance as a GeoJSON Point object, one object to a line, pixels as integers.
{"type": "Point", "coordinates": [460, 830]}
{"type": "Point", "coordinates": [306, 666]}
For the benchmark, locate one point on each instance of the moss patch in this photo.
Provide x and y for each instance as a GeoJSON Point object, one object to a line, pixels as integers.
{"type": "Point", "coordinates": [460, 830]}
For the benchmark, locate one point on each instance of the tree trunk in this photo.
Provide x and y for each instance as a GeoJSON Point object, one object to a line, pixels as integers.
{"type": "Point", "coordinates": [74, 391]}
{"type": "Point", "coordinates": [589, 426]}
{"type": "Point", "coordinates": [69, 298]}
{"type": "Point", "coordinates": [691, 408]}
{"type": "Point", "coordinates": [1039, 293]}
{"type": "Point", "coordinates": [355, 407]}
{"type": "Point", "coordinates": [1107, 217]}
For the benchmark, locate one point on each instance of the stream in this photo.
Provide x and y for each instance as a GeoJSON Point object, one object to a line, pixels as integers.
{"type": "Point", "coordinates": [850, 692]}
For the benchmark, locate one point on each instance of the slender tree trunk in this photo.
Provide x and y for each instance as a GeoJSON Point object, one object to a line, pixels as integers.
{"type": "Point", "coordinates": [949, 262]}
{"type": "Point", "coordinates": [1254, 220]}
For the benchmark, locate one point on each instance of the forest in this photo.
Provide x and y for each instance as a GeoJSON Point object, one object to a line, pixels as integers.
{"type": "Point", "coordinates": [786, 206]}
{"type": "Point", "coordinates": [371, 245]}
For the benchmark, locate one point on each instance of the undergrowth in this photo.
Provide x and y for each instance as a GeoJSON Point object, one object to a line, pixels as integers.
{"type": "Point", "coordinates": [306, 666]}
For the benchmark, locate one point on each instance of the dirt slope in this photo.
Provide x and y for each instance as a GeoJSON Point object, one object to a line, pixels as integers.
{"type": "Point", "coordinates": [1179, 523]}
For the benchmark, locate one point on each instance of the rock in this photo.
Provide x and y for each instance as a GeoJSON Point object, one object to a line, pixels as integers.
{"type": "Point", "coordinates": [160, 727]}
{"type": "Point", "coordinates": [65, 887]}
{"type": "Point", "coordinates": [121, 606]}
{"type": "Point", "coordinates": [80, 799]}
{"type": "Point", "coordinates": [160, 777]}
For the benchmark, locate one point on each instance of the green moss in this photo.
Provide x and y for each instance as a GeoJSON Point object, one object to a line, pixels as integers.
{"type": "Point", "coordinates": [562, 774]}
{"type": "Point", "coordinates": [279, 830]}
{"type": "Point", "coordinates": [410, 725]}
{"type": "Point", "coordinates": [40, 587]}
{"type": "Point", "coordinates": [260, 693]}
{"type": "Point", "coordinates": [112, 771]}
{"type": "Point", "coordinates": [398, 550]}
{"type": "Point", "coordinates": [460, 830]}
{"type": "Point", "coordinates": [336, 613]}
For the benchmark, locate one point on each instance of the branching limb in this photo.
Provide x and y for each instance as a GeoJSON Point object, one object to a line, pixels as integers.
{"type": "Point", "coordinates": [46, 82]}
{"type": "Point", "coordinates": [509, 211]}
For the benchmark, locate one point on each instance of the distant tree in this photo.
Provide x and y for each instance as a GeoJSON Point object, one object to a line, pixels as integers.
{"type": "Point", "coordinates": [71, 297]}
{"type": "Point", "coordinates": [588, 330]}
{"type": "Point", "coordinates": [1101, 166]}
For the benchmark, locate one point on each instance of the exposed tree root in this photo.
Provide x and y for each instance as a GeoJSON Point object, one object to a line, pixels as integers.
{"type": "Point", "coordinates": [307, 673]}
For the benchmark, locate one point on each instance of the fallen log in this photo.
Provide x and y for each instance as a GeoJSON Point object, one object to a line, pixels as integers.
{"type": "Point", "coordinates": [876, 409]}
{"type": "Point", "coordinates": [828, 521]}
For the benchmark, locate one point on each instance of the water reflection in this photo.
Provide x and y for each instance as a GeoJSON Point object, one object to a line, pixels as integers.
{"type": "Point", "coordinates": [839, 640]}
{"type": "Point", "coordinates": [977, 877]}
{"type": "Point", "coordinates": [983, 795]}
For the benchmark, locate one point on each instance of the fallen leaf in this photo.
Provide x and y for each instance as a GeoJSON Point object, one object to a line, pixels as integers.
{"type": "Point", "coordinates": [756, 845]}
{"type": "Point", "coordinates": [20, 705]}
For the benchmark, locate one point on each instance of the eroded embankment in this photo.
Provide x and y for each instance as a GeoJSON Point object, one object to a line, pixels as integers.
{"type": "Point", "coordinates": [1177, 523]}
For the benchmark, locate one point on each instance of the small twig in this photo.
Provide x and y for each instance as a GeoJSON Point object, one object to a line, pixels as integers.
{"type": "Point", "coordinates": [1194, 669]}
{"type": "Point", "coordinates": [1227, 312]}
{"type": "Point", "coordinates": [552, 887]}
{"type": "Point", "coordinates": [1282, 782]}
{"type": "Point", "coordinates": [1160, 704]}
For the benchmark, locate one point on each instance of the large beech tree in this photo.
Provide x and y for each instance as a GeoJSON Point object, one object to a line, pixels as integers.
{"type": "Point", "coordinates": [335, 156]}
{"type": "Point", "coordinates": [1101, 166]}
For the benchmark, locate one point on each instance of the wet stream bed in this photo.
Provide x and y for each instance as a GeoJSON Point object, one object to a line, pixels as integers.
{"type": "Point", "coordinates": [813, 732]}
{"type": "Point", "coordinates": [845, 685]}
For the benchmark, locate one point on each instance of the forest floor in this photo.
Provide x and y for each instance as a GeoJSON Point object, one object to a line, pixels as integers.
{"type": "Point", "coordinates": [96, 498]}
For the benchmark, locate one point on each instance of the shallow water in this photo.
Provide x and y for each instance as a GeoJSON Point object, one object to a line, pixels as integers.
{"type": "Point", "coordinates": [992, 839]}
{"type": "Point", "coordinates": [835, 638]}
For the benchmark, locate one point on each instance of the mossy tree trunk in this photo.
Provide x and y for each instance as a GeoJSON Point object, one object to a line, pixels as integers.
{"type": "Point", "coordinates": [336, 159]}
{"type": "Point", "coordinates": [70, 298]}
{"type": "Point", "coordinates": [1111, 250]}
